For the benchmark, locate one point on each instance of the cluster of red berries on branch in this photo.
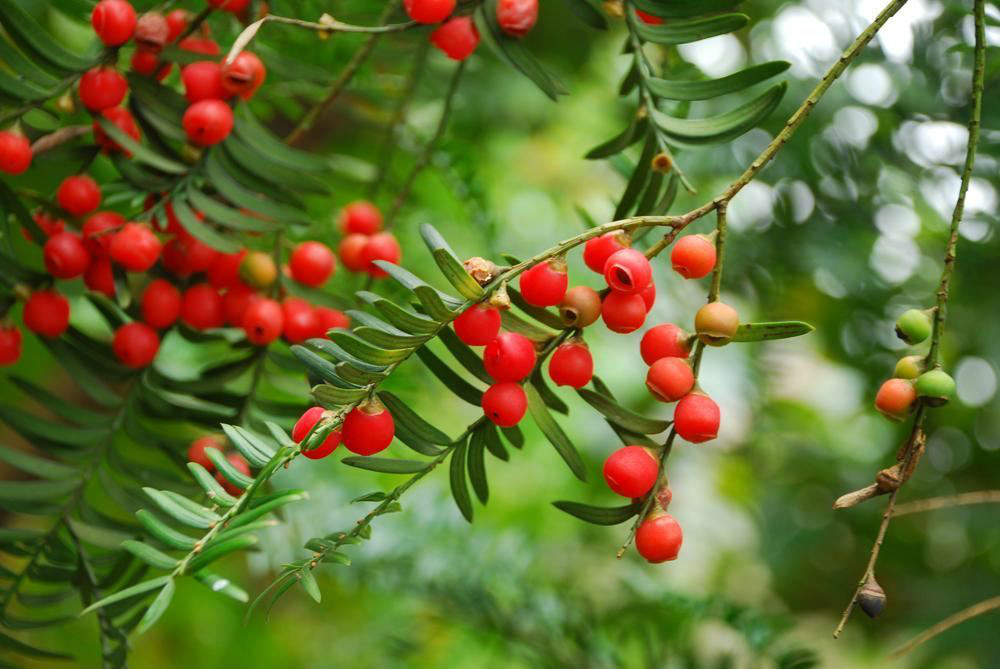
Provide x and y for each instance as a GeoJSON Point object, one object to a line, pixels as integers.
{"type": "Point", "coordinates": [367, 429]}
{"type": "Point", "coordinates": [196, 453]}
{"type": "Point", "coordinates": [364, 242]}
{"type": "Point", "coordinates": [456, 35]}
{"type": "Point", "coordinates": [912, 383]}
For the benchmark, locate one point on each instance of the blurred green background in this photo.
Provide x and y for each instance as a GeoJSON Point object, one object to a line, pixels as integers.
{"type": "Point", "coordinates": [845, 231]}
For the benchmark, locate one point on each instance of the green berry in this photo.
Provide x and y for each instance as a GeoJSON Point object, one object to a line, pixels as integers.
{"type": "Point", "coordinates": [935, 387]}
{"type": "Point", "coordinates": [909, 367]}
{"type": "Point", "coordinates": [913, 326]}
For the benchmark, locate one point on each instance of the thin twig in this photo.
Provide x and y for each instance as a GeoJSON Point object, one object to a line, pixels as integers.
{"type": "Point", "coordinates": [58, 137]}
{"type": "Point", "coordinates": [975, 610]}
{"type": "Point", "coordinates": [948, 501]}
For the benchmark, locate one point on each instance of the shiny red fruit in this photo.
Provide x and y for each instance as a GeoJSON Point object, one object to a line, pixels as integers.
{"type": "Point", "coordinates": [15, 152]}
{"type": "Point", "coordinates": [545, 284]}
{"type": "Point", "coordinates": [113, 21]}
{"type": "Point", "coordinates": [177, 22]}
{"type": "Point", "coordinates": [312, 263]}
{"type": "Point", "coordinates": [244, 75]}
{"type": "Point", "coordinates": [478, 325]}
{"type": "Point", "coordinates": [202, 45]}
{"type": "Point", "coordinates": [232, 6]}
{"type": "Point", "coordinates": [225, 269]}
{"type": "Point", "coordinates": [10, 345]}
{"type": "Point", "coordinates": [457, 38]}
{"type": "Point", "coordinates": [329, 319]}
{"type": "Point", "coordinates": [649, 19]}
{"type": "Point", "coordinates": [102, 88]}
{"type": "Point", "coordinates": [300, 320]}
{"type": "Point", "coordinates": [302, 427]}
{"type": "Point", "coordinates": [122, 119]}
{"type": "Point", "coordinates": [648, 295]}
{"type": "Point", "coordinates": [235, 303]}
{"type": "Point", "coordinates": [368, 429]}
{"type": "Point", "coordinates": [238, 463]}
{"type": "Point", "coordinates": [429, 11]}
{"type": "Point", "coordinates": [664, 341]}
{"type": "Point", "coordinates": [201, 307]}
{"type": "Point", "coordinates": [203, 81]}
{"type": "Point", "coordinates": [505, 403]}
{"type": "Point", "coordinates": [185, 256]}
{"type": "Point", "coordinates": [659, 538]}
{"type": "Point", "coordinates": [670, 379]}
{"type": "Point", "coordinates": [571, 365]}
{"type": "Point", "coordinates": [48, 224]}
{"type": "Point", "coordinates": [161, 304]}
{"type": "Point", "coordinates": [509, 357]}
{"type": "Point", "coordinates": [697, 418]}
{"type": "Point", "coordinates": [517, 17]}
{"type": "Point", "coordinates": [97, 231]}
{"type": "Point", "coordinates": [100, 277]}
{"type": "Point", "coordinates": [631, 471]}
{"type": "Point", "coordinates": [65, 255]}
{"type": "Point", "coordinates": [135, 247]}
{"type": "Point", "coordinates": [381, 246]}
{"type": "Point", "coordinates": [597, 250]}
{"type": "Point", "coordinates": [208, 122]}
{"type": "Point", "coordinates": [360, 217]}
{"type": "Point", "coordinates": [148, 63]}
{"type": "Point", "coordinates": [263, 321]}
{"type": "Point", "coordinates": [196, 451]}
{"type": "Point", "coordinates": [136, 345]}
{"type": "Point", "coordinates": [352, 252]}
{"type": "Point", "coordinates": [79, 195]}
{"type": "Point", "coordinates": [895, 397]}
{"type": "Point", "coordinates": [628, 271]}
{"type": "Point", "coordinates": [46, 312]}
{"type": "Point", "coordinates": [693, 256]}
{"type": "Point", "coordinates": [622, 312]}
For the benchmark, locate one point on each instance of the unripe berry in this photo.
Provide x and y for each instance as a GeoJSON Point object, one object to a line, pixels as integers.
{"type": "Point", "coordinates": [302, 427]}
{"type": "Point", "coordinates": [201, 307]}
{"type": "Point", "coordinates": [716, 323]}
{"type": "Point", "coordinates": [151, 32]}
{"type": "Point", "coordinates": [99, 276]}
{"type": "Point", "coordinates": [122, 119]}
{"type": "Point", "coordinates": [505, 403]}
{"type": "Point", "coordinates": [659, 538]}
{"type": "Point", "coordinates": [65, 255]}
{"type": "Point", "coordinates": [457, 37]}
{"type": "Point", "coordinates": [571, 365]}
{"type": "Point", "coordinates": [113, 21]}
{"type": "Point", "coordinates": [135, 247]}
{"type": "Point", "coordinates": [380, 246]}
{"type": "Point", "coordinates": [360, 217]}
{"type": "Point", "coordinates": [225, 269]}
{"type": "Point", "coordinates": [664, 341]}
{"type": "Point", "coordinates": [697, 418]}
{"type": "Point", "coordinates": [597, 250]}
{"type": "Point", "coordinates": [648, 19]}
{"type": "Point", "coordinates": [208, 122]}
{"type": "Point", "coordinates": [300, 321]}
{"type": "Point", "coordinates": [909, 367]}
{"type": "Point", "coordinates": [580, 307]}
{"type": "Point", "coordinates": [631, 471]}
{"type": "Point", "coordinates": [517, 17]}
{"type": "Point", "coordinates": [177, 22]}
{"type": "Point", "coordinates": [914, 326]}
{"type": "Point", "coordinates": [509, 357]}
{"type": "Point", "coordinates": [235, 303]}
{"type": "Point", "coordinates": [935, 387]}
{"type": "Point", "coordinates": [244, 75]}
{"type": "Point", "coordinates": [693, 256]}
{"type": "Point", "coordinates": [102, 88]}
{"type": "Point", "coordinates": [368, 429]}
{"type": "Point", "coordinates": [203, 81]}
{"type": "Point", "coordinates": [478, 325]}
{"type": "Point", "coordinates": [46, 313]}
{"type": "Point", "coordinates": [263, 321]}
{"type": "Point", "coordinates": [258, 270]}
{"type": "Point", "coordinates": [161, 304]}
{"type": "Point", "coordinates": [312, 263]}
{"type": "Point", "coordinates": [628, 271]}
{"type": "Point", "coordinates": [429, 11]}
{"type": "Point", "coordinates": [79, 195]}
{"type": "Point", "coordinates": [544, 285]}
{"type": "Point", "coordinates": [97, 231]}
{"type": "Point", "coordinates": [10, 345]}
{"type": "Point", "coordinates": [352, 252]}
{"type": "Point", "coordinates": [623, 312]}
{"type": "Point", "coordinates": [240, 464]}
{"type": "Point", "coordinates": [15, 152]}
{"type": "Point", "coordinates": [329, 319]}
{"type": "Point", "coordinates": [670, 379]}
{"type": "Point", "coordinates": [135, 344]}
{"type": "Point", "coordinates": [196, 451]}
{"type": "Point", "coordinates": [648, 295]}
{"type": "Point", "coordinates": [895, 397]}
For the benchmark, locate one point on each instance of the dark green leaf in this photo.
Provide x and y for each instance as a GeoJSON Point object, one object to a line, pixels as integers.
{"type": "Point", "coordinates": [724, 127]}
{"type": "Point", "coordinates": [626, 138]}
{"type": "Point", "coordinates": [400, 317]}
{"type": "Point", "coordinates": [599, 515]}
{"type": "Point", "coordinates": [369, 353]}
{"type": "Point", "coordinates": [163, 532]}
{"type": "Point", "coordinates": [587, 13]}
{"type": "Point", "coordinates": [453, 381]}
{"type": "Point", "coordinates": [405, 416]}
{"type": "Point", "coordinates": [477, 464]}
{"type": "Point", "coordinates": [684, 9]}
{"type": "Point", "coordinates": [713, 88]}
{"type": "Point", "coordinates": [459, 489]}
{"type": "Point", "coordinates": [385, 465]}
{"type": "Point", "coordinates": [550, 428]}
{"type": "Point", "coordinates": [449, 264]}
{"type": "Point", "coordinates": [331, 396]}
{"type": "Point", "coordinates": [749, 332]}
{"type": "Point", "coordinates": [309, 584]}
{"type": "Point", "coordinates": [218, 549]}
{"type": "Point", "coordinates": [683, 31]}
{"type": "Point", "coordinates": [228, 471]}
{"type": "Point", "coordinates": [514, 52]}
{"type": "Point", "coordinates": [619, 415]}
{"type": "Point", "coordinates": [149, 555]}
{"type": "Point", "coordinates": [464, 355]}
{"type": "Point", "coordinates": [551, 400]}
{"type": "Point", "coordinates": [127, 593]}
{"type": "Point", "coordinates": [203, 232]}
{"type": "Point", "coordinates": [20, 25]}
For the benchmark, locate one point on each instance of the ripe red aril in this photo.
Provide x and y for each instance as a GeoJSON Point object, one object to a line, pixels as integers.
{"type": "Point", "coordinates": [263, 321]}
{"type": "Point", "coordinates": [478, 325]}
{"type": "Point", "coordinates": [46, 313]}
{"type": "Point", "coordinates": [312, 263]}
{"type": "Point", "coordinates": [225, 269]}
{"type": "Point", "coordinates": [509, 357]}
{"type": "Point", "coordinates": [201, 307]}
{"type": "Point", "coordinates": [49, 225]}
{"type": "Point", "coordinates": [102, 88]}
{"type": "Point", "coordinates": [300, 320]}
{"type": "Point", "coordinates": [135, 247]}
{"type": "Point", "coordinates": [114, 21]}
{"type": "Point", "coordinates": [196, 451]}
{"type": "Point", "coordinates": [10, 345]}
{"type": "Point", "coordinates": [623, 312]}
{"type": "Point", "coordinates": [368, 428]}
{"type": "Point", "coordinates": [571, 365]}
{"type": "Point", "coordinates": [208, 122]}
{"type": "Point", "coordinates": [303, 426]}
{"type": "Point", "coordinates": [135, 344]}
{"type": "Point", "coordinates": [381, 246]}
{"type": "Point", "coordinates": [79, 195]}
{"type": "Point", "coordinates": [628, 271]}
{"type": "Point", "coordinates": [244, 75]}
{"type": "Point", "coordinates": [148, 63]}
{"type": "Point", "coordinates": [597, 250]}
{"type": "Point", "coordinates": [235, 303]}
{"type": "Point", "coordinates": [517, 17]}
{"type": "Point", "coordinates": [659, 538]}
{"type": "Point", "coordinates": [122, 119]}
{"type": "Point", "coordinates": [544, 285]}
{"type": "Point", "coordinates": [203, 81]}
{"type": "Point", "coordinates": [429, 11]}
{"type": "Point", "coordinates": [457, 38]}
{"type": "Point", "coordinates": [697, 417]}
{"type": "Point", "coordinates": [203, 45]}
{"type": "Point", "coordinates": [231, 6]}
{"type": "Point", "coordinates": [631, 471]}
{"type": "Point", "coordinates": [177, 22]}
{"type": "Point", "coordinates": [329, 319]}
{"type": "Point", "coordinates": [99, 276]}
{"type": "Point", "coordinates": [352, 252]}
{"type": "Point", "coordinates": [15, 152]}
{"type": "Point", "coordinates": [360, 217]}
{"type": "Point", "coordinates": [664, 341]}
{"type": "Point", "coordinates": [670, 379]}
{"type": "Point", "coordinates": [161, 304]}
{"type": "Point", "coordinates": [693, 256]}
{"type": "Point", "coordinates": [649, 19]}
{"type": "Point", "coordinates": [65, 255]}
{"type": "Point", "coordinates": [648, 295]}
{"type": "Point", "coordinates": [505, 403]}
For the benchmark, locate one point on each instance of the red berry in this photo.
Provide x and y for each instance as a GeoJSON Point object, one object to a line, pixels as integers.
{"type": "Point", "coordinates": [622, 312]}
{"type": "Point", "coordinates": [232, 6]}
{"type": "Point", "coordinates": [196, 451]}
{"type": "Point", "coordinates": [457, 37]}
{"type": "Point", "coordinates": [544, 285]}
{"type": "Point", "coordinates": [177, 22]}
{"type": "Point", "coordinates": [263, 321]}
{"type": "Point", "coordinates": [244, 75]}
{"type": "Point", "coordinates": [113, 21]}
{"type": "Point", "coordinates": [649, 19]}
{"type": "Point", "coordinates": [201, 307]}
{"type": "Point", "coordinates": [238, 463]}
{"type": "Point", "coordinates": [46, 313]}
{"type": "Point", "coordinates": [631, 471]}
{"type": "Point", "coordinates": [330, 319]}
{"type": "Point", "coordinates": [151, 32]}
{"type": "Point", "coordinates": [352, 252]}
{"type": "Point", "coordinates": [505, 403]}
{"type": "Point", "coordinates": [368, 429]}
{"type": "Point", "coordinates": [648, 295]}
{"type": "Point", "coordinates": [429, 11]}
{"type": "Point", "coordinates": [161, 304]}
{"type": "Point", "coordinates": [79, 195]}
{"type": "Point", "coordinates": [202, 45]}
{"type": "Point", "coordinates": [102, 88]}
{"type": "Point", "coordinates": [65, 255]}
{"type": "Point", "coordinates": [670, 379]}
{"type": "Point", "coordinates": [597, 250]}
{"type": "Point", "coordinates": [664, 341]}
{"type": "Point", "coordinates": [99, 276]}
{"type": "Point", "coordinates": [312, 263]}
{"type": "Point", "coordinates": [628, 271]}
{"type": "Point", "coordinates": [148, 63]}
{"type": "Point", "coordinates": [235, 303]}
{"type": "Point", "coordinates": [571, 365]}
{"type": "Point", "coordinates": [135, 247]}
{"type": "Point", "coordinates": [136, 345]}
{"type": "Point", "coordinates": [478, 325]}
{"type": "Point", "coordinates": [697, 418]}
{"type": "Point", "coordinates": [895, 398]}
{"type": "Point", "coordinates": [208, 122]}
{"type": "Point", "coordinates": [509, 357]}
{"type": "Point", "coordinates": [517, 17]}
{"type": "Point", "coordinates": [10, 345]}
{"type": "Point", "coordinates": [659, 538]}
{"type": "Point", "coordinates": [360, 217]}
{"type": "Point", "coordinates": [97, 231]}
{"type": "Point", "coordinates": [693, 256]}
{"type": "Point", "coordinates": [50, 225]}
{"type": "Point", "coordinates": [122, 119]}
{"type": "Point", "coordinates": [186, 255]}
{"type": "Point", "coordinates": [302, 427]}
{"type": "Point", "coordinates": [203, 81]}
{"type": "Point", "coordinates": [300, 320]}
{"type": "Point", "coordinates": [225, 269]}
{"type": "Point", "coordinates": [15, 152]}
{"type": "Point", "coordinates": [381, 246]}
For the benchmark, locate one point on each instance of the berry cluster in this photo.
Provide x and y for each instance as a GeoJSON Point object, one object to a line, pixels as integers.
{"type": "Point", "coordinates": [364, 242]}
{"type": "Point", "coordinates": [366, 430]}
{"type": "Point", "coordinates": [911, 381]}
{"type": "Point", "coordinates": [457, 36]}
{"type": "Point", "coordinates": [196, 453]}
